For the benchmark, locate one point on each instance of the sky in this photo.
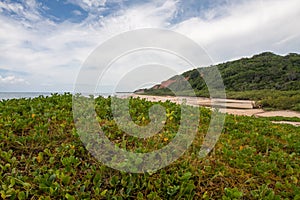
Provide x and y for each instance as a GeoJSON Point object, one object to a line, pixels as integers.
{"type": "Point", "coordinates": [44, 43]}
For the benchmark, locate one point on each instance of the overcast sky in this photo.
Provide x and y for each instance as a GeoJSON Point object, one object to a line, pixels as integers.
{"type": "Point", "coordinates": [43, 43]}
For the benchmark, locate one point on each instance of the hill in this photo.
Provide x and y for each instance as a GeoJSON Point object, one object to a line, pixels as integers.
{"type": "Point", "coordinates": [266, 78]}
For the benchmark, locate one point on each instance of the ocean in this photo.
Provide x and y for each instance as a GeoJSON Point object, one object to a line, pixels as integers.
{"type": "Point", "coordinates": [18, 95]}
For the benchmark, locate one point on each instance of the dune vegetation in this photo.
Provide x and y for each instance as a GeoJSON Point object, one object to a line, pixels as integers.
{"type": "Point", "coordinates": [42, 156]}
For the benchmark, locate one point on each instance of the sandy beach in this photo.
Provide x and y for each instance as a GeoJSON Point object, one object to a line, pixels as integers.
{"type": "Point", "coordinates": [230, 106]}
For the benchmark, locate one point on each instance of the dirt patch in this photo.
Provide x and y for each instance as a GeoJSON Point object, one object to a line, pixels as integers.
{"type": "Point", "coordinates": [281, 113]}
{"type": "Point", "coordinates": [245, 112]}
{"type": "Point", "coordinates": [287, 122]}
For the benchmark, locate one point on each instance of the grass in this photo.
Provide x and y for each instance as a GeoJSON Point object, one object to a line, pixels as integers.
{"type": "Point", "coordinates": [42, 157]}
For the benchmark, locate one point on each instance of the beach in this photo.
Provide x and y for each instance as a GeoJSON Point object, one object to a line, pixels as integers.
{"type": "Point", "coordinates": [230, 106]}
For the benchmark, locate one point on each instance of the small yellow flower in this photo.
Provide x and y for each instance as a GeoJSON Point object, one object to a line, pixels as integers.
{"type": "Point", "coordinates": [33, 115]}
{"type": "Point", "coordinates": [166, 139]}
{"type": "Point", "coordinates": [40, 158]}
{"type": "Point", "coordinates": [72, 146]}
{"type": "Point", "coordinates": [241, 148]}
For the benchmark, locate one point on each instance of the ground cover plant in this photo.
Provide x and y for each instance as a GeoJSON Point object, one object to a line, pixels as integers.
{"type": "Point", "coordinates": [42, 157]}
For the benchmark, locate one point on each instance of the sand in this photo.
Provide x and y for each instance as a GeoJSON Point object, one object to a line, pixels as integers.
{"type": "Point", "coordinates": [230, 106]}
{"type": "Point", "coordinates": [287, 122]}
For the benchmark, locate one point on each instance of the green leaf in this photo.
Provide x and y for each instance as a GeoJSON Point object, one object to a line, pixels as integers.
{"type": "Point", "coordinates": [186, 176]}
{"type": "Point", "coordinates": [103, 193]}
{"type": "Point", "coordinates": [69, 197]}
{"type": "Point", "coordinates": [21, 195]}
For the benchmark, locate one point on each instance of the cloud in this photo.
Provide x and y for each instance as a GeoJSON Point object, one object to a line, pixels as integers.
{"type": "Point", "coordinates": [77, 12]}
{"type": "Point", "coordinates": [12, 80]}
{"type": "Point", "coordinates": [51, 53]}
{"type": "Point", "coordinates": [89, 5]}
{"type": "Point", "coordinates": [248, 28]}
{"type": "Point", "coordinates": [148, 15]}
{"type": "Point", "coordinates": [27, 11]}
{"type": "Point", "coordinates": [50, 46]}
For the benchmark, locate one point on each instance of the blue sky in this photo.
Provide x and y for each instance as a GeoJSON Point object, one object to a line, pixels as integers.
{"type": "Point", "coordinates": [43, 43]}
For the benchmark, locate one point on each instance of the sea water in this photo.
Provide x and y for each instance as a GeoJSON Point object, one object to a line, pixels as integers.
{"type": "Point", "coordinates": [18, 95]}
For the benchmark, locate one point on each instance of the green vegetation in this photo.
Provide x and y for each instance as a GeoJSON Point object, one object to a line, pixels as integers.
{"type": "Point", "coordinates": [271, 79]}
{"type": "Point", "coordinates": [42, 157]}
{"type": "Point", "coordinates": [270, 99]}
{"type": "Point", "coordinates": [279, 118]}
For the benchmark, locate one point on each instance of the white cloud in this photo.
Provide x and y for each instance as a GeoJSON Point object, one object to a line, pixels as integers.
{"type": "Point", "coordinates": [53, 52]}
{"type": "Point", "coordinates": [150, 15]}
{"type": "Point", "coordinates": [62, 44]}
{"type": "Point", "coordinates": [247, 29]}
{"type": "Point", "coordinates": [26, 11]}
{"type": "Point", "coordinates": [12, 80]}
{"type": "Point", "coordinates": [77, 12]}
{"type": "Point", "coordinates": [89, 5]}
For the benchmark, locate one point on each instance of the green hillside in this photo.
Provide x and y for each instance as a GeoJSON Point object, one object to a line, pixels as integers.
{"type": "Point", "coordinates": [267, 78]}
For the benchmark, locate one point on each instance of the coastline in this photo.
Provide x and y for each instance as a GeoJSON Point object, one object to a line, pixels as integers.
{"type": "Point", "coordinates": [234, 107]}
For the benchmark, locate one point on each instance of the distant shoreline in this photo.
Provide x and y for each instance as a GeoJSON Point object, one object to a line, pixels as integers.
{"type": "Point", "coordinates": [234, 107]}
{"type": "Point", "coordinates": [19, 95]}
